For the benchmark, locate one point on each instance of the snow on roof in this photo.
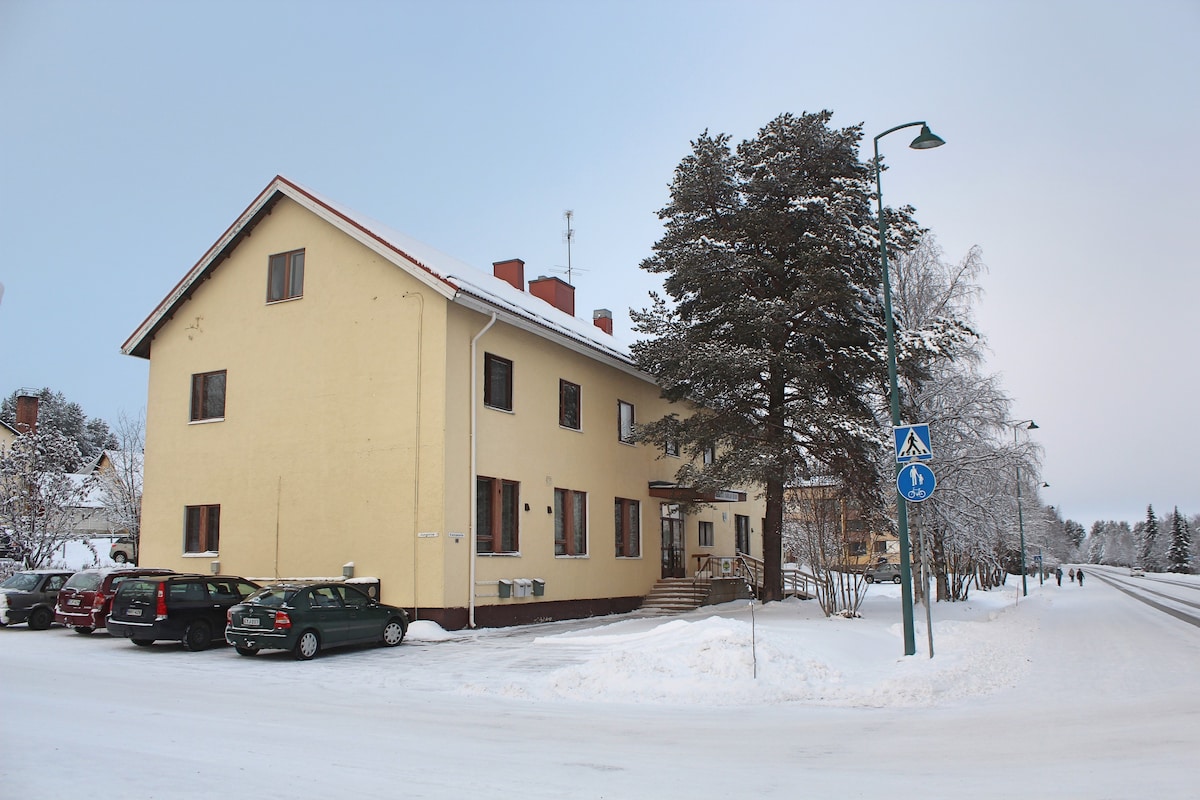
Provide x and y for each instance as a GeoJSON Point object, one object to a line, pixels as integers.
{"type": "Point", "coordinates": [459, 281]}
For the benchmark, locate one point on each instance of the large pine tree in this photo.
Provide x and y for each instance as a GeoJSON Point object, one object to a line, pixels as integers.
{"type": "Point", "coordinates": [1179, 553]}
{"type": "Point", "coordinates": [774, 325]}
{"type": "Point", "coordinates": [1147, 557]}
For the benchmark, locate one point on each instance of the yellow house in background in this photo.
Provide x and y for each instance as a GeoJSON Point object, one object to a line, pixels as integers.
{"type": "Point", "coordinates": [329, 397]}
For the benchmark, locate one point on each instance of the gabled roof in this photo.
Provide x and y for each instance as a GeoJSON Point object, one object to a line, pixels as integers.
{"type": "Point", "coordinates": [453, 279]}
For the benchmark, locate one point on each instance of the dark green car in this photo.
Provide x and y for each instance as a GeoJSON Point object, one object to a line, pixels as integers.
{"type": "Point", "coordinates": [307, 617]}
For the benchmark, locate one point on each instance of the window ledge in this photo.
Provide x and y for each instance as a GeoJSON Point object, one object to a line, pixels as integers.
{"type": "Point", "coordinates": [206, 554]}
{"type": "Point", "coordinates": [516, 554]}
{"type": "Point", "coordinates": [585, 555]}
{"type": "Point", "coordinates": [285, 300]}
{"type": "Point", "coordinates": [500, 409]}
{"type": "Point", "coordinates": [205, 421]}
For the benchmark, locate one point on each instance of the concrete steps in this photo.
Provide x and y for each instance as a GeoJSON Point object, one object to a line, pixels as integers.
{"type": "Point", "coordinates": [677, 594]}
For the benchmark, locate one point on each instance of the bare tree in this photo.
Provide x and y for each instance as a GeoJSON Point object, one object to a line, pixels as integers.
{"type": "Point", "coordinates": [39, 497]}
{"type": "Point", "coordinates": [971, 522]}
{"type": "Point", "coordinates": [814, 531]}
{"type": "Point", "coordinates": [119, 479]}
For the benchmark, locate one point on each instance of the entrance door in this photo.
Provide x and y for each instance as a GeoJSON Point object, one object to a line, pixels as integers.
{"type": "Point", "coordinates": [672, 542]}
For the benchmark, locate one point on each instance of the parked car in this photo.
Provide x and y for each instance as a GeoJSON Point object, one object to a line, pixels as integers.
{"type": "Point", "coordinates": [86, 599]}
{"type": "Point", "coordinates": [882, 573]}
{"type": "Point", "coordinates": [1136, 572]}
{"type": "Point", "coordinates": [307, 617]}
{"type": "Point", "coordinates": [28, 596]}
{"type": "Point", "coordinates": [186, 608]}
{"type": "Point", "coordinates": [123, 550]}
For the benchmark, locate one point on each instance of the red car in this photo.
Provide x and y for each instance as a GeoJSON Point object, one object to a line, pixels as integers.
{"type": "Point", "coordinates": [85, 601]}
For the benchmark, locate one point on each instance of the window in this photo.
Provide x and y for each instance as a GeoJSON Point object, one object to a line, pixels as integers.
{"type": "Point", "coordinates": [741, 526]}
{"type": "Point", "coordinates": [568, 405]}
{"type": "Point", "coordinates": [625, 421]}
{"type": "Point", "coordinates": [706, 534]}
{"type": "Point", "coordinates": [285, 276]}
{"type": "Point", "coordinates": [671, 447]}
{"type": "Point", "coordinates": [208, 396]}
{"type": "Point", "coordinates": [570, 523]}
{"type": "Point", "coordinates": [710, 455]}
{"type": "Point", "coordinates": [497, 382]}
{"type": "Point", "coordinates": [202, 528]}
{"type": "Point", "coordinates": [627, 516]}
{"type": "Point", "coordinates": [496, 515]}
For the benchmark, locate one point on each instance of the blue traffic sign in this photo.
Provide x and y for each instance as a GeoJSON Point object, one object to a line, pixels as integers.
{"type": "Point", "coordinates": [912, 443]}
{"type": "Point", "coordinates": [915, 482]}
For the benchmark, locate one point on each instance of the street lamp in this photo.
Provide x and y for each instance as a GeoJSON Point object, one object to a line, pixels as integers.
{"type": "Point", "coordinates": [924, 141]}
{"type": "Point", "coordinates": [1028, 425]}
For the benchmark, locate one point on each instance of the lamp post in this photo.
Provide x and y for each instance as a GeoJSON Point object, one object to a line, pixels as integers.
{"type": "Point", "coordinates": [924, 141]}
{"type": "Point", "coordinates": [1028, 425]}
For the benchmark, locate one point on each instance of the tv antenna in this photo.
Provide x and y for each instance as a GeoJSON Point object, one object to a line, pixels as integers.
{"type": "Point", "coordinates": [568, 237]}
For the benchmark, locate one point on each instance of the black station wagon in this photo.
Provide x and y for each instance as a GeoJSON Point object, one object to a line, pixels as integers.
{"type": "Point", "coordinates": [186, 608]}
{"type": "Point", "coordinates": [306, 617]}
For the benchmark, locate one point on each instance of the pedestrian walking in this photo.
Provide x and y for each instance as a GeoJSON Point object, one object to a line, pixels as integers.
{"type": "Point", "coordinates": [1071, 574]}
{"type": "Point", "coordinates": [1058, 575]}
{"type": "Point", "coordinates": [1079, 575]}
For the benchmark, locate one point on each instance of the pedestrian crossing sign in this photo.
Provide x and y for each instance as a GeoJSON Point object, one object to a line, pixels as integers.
{"type": "Point", "coordinates": [912, 443]}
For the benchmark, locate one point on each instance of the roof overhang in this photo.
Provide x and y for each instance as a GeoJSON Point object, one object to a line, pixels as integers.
{"type": "Point", "coordinates": [665, 490]}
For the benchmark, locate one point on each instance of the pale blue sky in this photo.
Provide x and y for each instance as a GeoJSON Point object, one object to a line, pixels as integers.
{"type": "Point", "coordinates": [133, 133]}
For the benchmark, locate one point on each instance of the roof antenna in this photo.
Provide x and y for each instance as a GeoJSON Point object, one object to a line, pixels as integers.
{"type": "Point", "coordinates": [568, 237]}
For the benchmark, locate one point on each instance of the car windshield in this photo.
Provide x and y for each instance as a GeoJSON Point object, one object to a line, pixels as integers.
{"type": "Point", "coordinates": [273, 596]}
{"type": "Point", "coordinates": [84, 581]}
{"type": "Point", "coordinates": [22, 582]}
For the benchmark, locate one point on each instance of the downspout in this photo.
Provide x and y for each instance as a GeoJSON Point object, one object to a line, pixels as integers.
{"type": "Point", "coordinates": [420, 383]}
{"type": "Point", "coordinates": [474, 474]}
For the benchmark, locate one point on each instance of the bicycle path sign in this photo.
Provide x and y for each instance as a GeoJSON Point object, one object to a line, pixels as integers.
{"type": "Point", "coordinates": [912, 443]}
{"type": "Point", "coordinates": [915, 482]}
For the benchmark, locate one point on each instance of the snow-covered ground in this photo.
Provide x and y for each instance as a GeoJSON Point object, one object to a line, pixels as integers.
{"type": "Point", "coordinates": [1073, 692]}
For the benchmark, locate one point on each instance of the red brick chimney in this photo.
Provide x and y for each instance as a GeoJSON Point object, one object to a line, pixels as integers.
{"type": "Point", "coordinates": [554, 291]}
{"type": "Point", "coordinates": [511, 272]}
{"type": "Point", "coordinates": [27, 413]}
{"type": "Point", "coordinates": [602, 319]}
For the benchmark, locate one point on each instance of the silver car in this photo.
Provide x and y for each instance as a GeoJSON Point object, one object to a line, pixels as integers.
{"type": "Point", "coordinates": [882, 573]}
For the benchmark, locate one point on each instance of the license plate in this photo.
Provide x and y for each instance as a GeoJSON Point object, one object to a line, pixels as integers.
{"type": "Point", "coordinates": [250, 622]}
{"type": "Point", "coordinates": [135, 612]}
{"type": "Point", "coordinates": [73, 602]}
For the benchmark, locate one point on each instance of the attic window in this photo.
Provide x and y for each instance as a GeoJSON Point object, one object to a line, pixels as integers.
{"type": "Point", "coordinates": [285, 276]}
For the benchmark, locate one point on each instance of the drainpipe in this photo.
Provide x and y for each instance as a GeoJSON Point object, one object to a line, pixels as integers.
{"type": "Point", "coordinates": [474, 473]}
{"type": "Point", "coordinates": [420, 383]}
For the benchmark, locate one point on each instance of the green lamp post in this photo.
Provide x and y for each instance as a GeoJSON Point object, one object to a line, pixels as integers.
{"type": "Point", "coordinates": [926, 140]}
{"type": "Point", "coordinates": [1028, 425]}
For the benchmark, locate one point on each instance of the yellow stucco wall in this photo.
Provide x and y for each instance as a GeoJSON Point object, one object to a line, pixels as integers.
{"type": "Point", "coordinates": [527, 445]}
{"type": "Point", "coordinates": [315, 462]}
{"type": "Point", "coordinates": [346, 435]}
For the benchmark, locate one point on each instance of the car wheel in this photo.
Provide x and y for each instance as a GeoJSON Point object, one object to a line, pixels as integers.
{"type": "Point", "coordinates": [247, 651]}
{"type": "Point", "coordinates": [307, 646]}
{"type": "Point", "coordinates": [120, 558]}
{"type": "Point", "coordinates": [142, 642]}
{"type": "Point", "coordinates": [40, 618]}
{"type": "Point", "coordinates": [896, 579]}
{"type": "Point", "coordinates": [393, 633]}
{"type": "Point", "coordinates": [83, 629]}
{"type": "Point", "coordinates": [197, 636]}
{"type": "Point", "coordinates": [870, 579]}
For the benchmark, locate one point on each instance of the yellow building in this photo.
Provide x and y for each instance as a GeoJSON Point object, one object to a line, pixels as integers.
{"type": "Point", "coordinates": [329, 397]}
